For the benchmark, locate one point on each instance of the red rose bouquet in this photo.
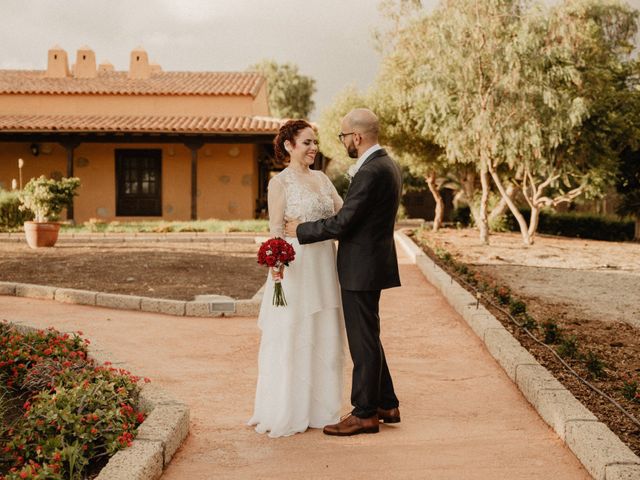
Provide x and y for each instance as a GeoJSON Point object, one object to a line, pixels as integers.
{"type": "Point", "coordinates": [276, 253]}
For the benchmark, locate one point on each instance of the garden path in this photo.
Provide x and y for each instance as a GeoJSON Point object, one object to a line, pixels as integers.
{"type": "Point", "coordinates": [462, 416]}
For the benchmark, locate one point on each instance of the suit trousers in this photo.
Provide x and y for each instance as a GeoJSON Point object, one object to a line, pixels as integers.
{"type": "Point", "coordinates": [372, 386]}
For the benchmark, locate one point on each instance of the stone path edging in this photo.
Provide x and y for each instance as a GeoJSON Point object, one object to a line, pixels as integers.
{"type": "Point", "coordinates": [177, 237]}
{"type": "Point", "coordinates": [222, 308]}
{"type": "Point", "coordinates": [159, 435]}
{"type": "Point", "coordinates": [601, 452]}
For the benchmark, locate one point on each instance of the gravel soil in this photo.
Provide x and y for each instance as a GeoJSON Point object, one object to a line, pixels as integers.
{"type": "Point", "coordinates": [177, 271]}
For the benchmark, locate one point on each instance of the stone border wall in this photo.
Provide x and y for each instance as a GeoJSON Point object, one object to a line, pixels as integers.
{"type": "Point", "coordinates": [178, 237]}
{"type": "Point", "coordinates": [220, 308]}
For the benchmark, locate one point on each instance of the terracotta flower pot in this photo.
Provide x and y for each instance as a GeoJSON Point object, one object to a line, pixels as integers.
{"type": "Point", "coordinates": [41, 234]}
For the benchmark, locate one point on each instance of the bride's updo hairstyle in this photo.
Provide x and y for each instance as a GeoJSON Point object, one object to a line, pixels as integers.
{"type": "Point", "coordinates": [288, 131]}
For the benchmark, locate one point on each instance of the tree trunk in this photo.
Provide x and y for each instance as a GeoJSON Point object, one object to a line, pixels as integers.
{"type": "Point", "coordinates": [433, 188]}
{"type": "Point", "coordinates": [483, 220]}
{"type": "Point", "coordinates": [468, 184]}
{"type": "Point", "coordinates": [522, 223]}
{"type": "Point", "coordinates": [637, 235]}
{"type": "Point", "coordinates": [502, 206]}
{"type": "Point", "coordinates": [533, 223]}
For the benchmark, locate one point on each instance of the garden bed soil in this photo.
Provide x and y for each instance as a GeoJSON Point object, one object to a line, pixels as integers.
{"type": "Point", "coordinates": [589, 288]}
{"type": "Point", "coordinates": [177, 271]}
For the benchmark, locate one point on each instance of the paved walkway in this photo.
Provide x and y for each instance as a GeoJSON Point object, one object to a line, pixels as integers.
{"type": "Point", "coordinates": [462, 416]}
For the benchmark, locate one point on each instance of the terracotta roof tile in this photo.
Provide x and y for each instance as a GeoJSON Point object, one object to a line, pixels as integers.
{"type": "Point", "coordinates": [138, 124]}
{"type": "Point", "coordinates": [118, 83]}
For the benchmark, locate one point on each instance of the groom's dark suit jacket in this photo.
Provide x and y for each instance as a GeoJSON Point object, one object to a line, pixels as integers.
{"type": "Point", "coordinates": [364, 226]}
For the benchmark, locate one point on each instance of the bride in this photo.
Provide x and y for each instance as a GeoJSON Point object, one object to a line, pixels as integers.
{"type": "Point", "coordinates": [301, 349]}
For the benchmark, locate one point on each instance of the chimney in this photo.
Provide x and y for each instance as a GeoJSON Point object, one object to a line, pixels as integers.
{"type": "Point", "coordinates": [57, 63]}
{"type": "Point", "coordinates": [155, 67]}
{"type": "Point", "coordinates": [85, 66]}
{"type": "Point", "coordinates": [105, 67]}
{"type": "Point", "coordinates": [139, 67]}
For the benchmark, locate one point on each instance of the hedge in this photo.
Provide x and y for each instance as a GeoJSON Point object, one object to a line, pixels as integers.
{"type": "Point", "coordinates": [579, 225]}
{"type": "Point", "coordinates": [11, 217]}
{"type": "Point", "coordinates": [571, 224]}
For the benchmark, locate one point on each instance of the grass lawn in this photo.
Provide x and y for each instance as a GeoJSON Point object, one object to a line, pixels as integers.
{"type": "Point", "coordinates": [163, 226]}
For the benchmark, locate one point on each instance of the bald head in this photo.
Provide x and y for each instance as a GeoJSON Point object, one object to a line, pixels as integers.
{"type": "Point", "coordinates": [365, 122]}
{"type": "Point", "coordinates": [359, 131]}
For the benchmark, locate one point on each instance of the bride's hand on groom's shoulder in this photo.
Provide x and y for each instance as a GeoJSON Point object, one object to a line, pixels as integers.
{"type": "Point", "coordinates": [290, 228]}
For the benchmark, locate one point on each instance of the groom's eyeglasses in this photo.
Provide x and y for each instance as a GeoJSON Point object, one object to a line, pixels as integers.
{"type": "Point", "coordinates": [342, 135]}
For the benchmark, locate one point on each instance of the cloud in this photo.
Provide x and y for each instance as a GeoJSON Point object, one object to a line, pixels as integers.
{"type": "Point", "coordinates": [329, 40]}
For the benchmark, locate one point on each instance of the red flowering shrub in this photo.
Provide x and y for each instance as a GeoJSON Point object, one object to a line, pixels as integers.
{"type": "Point", "coordinates": [503, 294]}
{"type": "Point", "coordinates": [19, 353]}
{"type": "Point", "coordinates": [76, 413]}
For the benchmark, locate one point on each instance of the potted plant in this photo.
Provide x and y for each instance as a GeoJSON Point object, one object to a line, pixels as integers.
{"type": "Point", "coordinates": [46, 198]}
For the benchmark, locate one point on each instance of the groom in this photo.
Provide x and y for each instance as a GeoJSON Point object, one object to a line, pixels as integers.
{"type": "Point", "coordinates": [367, 264]}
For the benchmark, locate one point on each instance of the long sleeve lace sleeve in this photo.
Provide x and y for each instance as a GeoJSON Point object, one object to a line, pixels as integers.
{"type": "Point", "coordinates": [335, 196]}
{"type": "Point", "coordinates": [276, 202]}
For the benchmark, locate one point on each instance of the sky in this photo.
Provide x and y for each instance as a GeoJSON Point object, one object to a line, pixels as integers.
{"type": "Point", "coordinates": [329, 40]}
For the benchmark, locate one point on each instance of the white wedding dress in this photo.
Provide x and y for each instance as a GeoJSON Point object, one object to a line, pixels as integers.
{"type": "Point", "coordinates": [300, 363]}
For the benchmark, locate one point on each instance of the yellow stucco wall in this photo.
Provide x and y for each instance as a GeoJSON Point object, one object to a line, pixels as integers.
{"type": "Point", "coordinates": [157, 105]}
{"type": "Point", "coordinates": [227, 178]}
{"type": "Point", "coordinates": [227, 181]}
{"type": "Point", "coordinates": [260, 105]}
{"type": "Point", "coordinates": [48, 164]}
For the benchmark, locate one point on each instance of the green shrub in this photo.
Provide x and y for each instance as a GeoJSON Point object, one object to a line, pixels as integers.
{"type": "Point", "coordinates": [517, 307]}
{"type": "Point", "coordinates": [529, 322]}
{"type": "Point", "coordinates": [341, 183]}
{"type": "Point", "coordinates": [462, 269]}
{"type": "Point", "coordinates": [11, 216]}
{"type": "Point", "coordinates": [46, 198]}
{"type": "Point", "coordinates": [568, 348]}
{"type": "Point", "coordinates": [4, 404]}
{"type": "Point", "coordinates": [443, 255]}
{"type": "Point", "coordinates": [461, 216]}
{"type": "Point", "coordinates": [594, 365]}
{"type": "Point", "coordinates": [155, 226]}
{"type": "Point", "coordinates": [579, 225]}
{"type": "Point", "coordinates": [503, 294]}
{"type": "Point", "coordinates": [499, 224]}
{"type": "Point", "coordinates": [552, 332]}
{"type": "Point", "coordinates": [630, 391]}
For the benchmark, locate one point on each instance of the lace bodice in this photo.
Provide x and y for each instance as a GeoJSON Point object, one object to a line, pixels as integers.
{"type": "Point", "coordinates": [300, 196]}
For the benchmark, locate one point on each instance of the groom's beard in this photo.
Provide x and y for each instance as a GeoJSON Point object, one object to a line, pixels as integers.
{"type": "Point", "coordinates": [352, 151]}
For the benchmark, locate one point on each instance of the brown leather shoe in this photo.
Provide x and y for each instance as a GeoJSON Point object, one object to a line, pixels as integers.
{"type": "Point", "coordinates": [352, 425]}
{"type": "Point", "coordinates": [389, 416]}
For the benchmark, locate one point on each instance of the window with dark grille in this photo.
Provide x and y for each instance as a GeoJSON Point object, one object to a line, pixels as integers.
{"type": "Point", "coordinates": [138, 183]}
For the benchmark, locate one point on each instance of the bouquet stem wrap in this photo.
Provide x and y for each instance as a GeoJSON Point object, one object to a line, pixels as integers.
{"type": "Point", "coordinates": [278, 293]}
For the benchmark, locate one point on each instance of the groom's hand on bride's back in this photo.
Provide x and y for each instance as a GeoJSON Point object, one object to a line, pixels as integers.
{"type": "Point", "coordinates": [290, 228]}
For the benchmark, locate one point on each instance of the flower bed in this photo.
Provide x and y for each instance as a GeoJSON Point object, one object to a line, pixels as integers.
{"type": "Point", "coordinates": [601, 354]}
{"type": "Point", "coordinates": [63, 414]}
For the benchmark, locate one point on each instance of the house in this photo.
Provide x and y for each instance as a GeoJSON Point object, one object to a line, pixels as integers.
{"type": "Point", "coordinates": [146, 144]}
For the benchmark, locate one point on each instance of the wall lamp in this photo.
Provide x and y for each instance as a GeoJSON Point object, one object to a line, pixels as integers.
{"type": "Point", "coordinates": [35, 149]}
